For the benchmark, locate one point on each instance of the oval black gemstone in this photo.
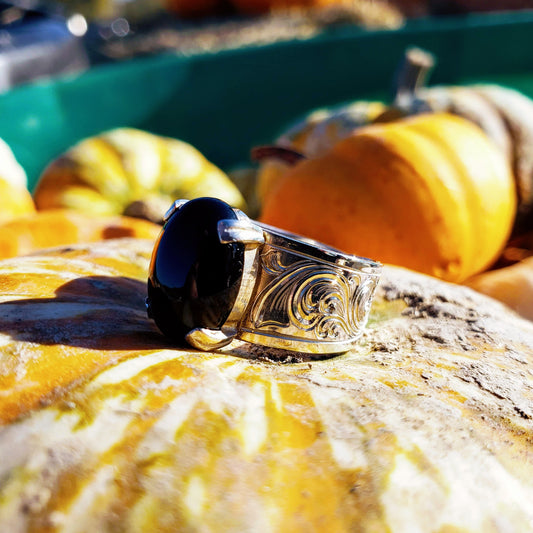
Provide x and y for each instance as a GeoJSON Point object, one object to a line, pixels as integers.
{"type": "Point", "coordinates": [194, 279]}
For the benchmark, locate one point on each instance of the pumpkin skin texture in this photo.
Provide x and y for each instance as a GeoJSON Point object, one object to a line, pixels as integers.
{"type": "Point", "coordinates": [131, 172]}
{"type": "Point", "coordinates": [59, 227]}
{"type": "Point", "coordinates": [506, 116]}
{"type": "Point", "coordinates": [431, 193]}
{"type": "Point", "coordinates": [425, 426]}
{"type": "Point", "coordinates": [516, 110]}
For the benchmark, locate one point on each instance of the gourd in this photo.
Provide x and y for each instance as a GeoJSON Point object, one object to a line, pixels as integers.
{"type": "Point", "coordinates": [512, 285]}
{"type": "Point", "coordinates": [15, 199]}
{"type": "Point", "coordinates": [310, 136]}
{"type": "Point", "coordinates": [430, 192]}
{"type": "Point", "coordinates": [503, 113]}
{"type": "Point", "coordinates": [126, 171]}
{"type": "Point", "coordinates": [57, 227]}
{"type": "Point", "coordinates": [511, 282]}
{"type": "Point", "coordinates": [426, 425]}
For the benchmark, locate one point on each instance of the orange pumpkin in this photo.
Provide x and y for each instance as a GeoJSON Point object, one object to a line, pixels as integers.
{"type": "Point", "coordinates": [512, 285]}
{"type": "Point", "coordinates": [511, 281]}
{"type": "Point", "coordinates": [431, 193]}
{"type": "Point", "coordinates": [503, 113]}
{"type": "Point", "coordinates": [312, 136]}
{"type": "Point", "coordinates": [425, 426]}
{"type": "Point", "coordinates": [57, 227]}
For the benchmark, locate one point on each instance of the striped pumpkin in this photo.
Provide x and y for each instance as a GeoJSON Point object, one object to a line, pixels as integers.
{"type": "Point", "coordinates": [426, 426]}
{"type": "Point", "coordinates": [127, 171]}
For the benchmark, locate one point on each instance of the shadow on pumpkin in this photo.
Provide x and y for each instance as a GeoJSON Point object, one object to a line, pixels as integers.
{"type": "Point", "coordinates": [96, 312]}
{"type": "Point", "coordinates": [109, 313]}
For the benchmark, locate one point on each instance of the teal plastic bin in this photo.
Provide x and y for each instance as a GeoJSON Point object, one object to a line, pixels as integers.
{"type": "Point", "coordinates": [224, 103]}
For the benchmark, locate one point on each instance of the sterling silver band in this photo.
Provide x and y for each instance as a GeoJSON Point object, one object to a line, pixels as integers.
{"type": "Point", "coordinates": [296, 294]}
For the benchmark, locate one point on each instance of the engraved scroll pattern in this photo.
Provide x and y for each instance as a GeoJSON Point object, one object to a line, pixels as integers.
{"type": "Point", "coordinates": [307, 296]}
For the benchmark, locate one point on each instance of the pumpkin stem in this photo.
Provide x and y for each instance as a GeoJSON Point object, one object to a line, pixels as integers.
{"type": "Point", "coordinates": [411, 76]}
{"type": "Point", "coordinates": [151, 209]}
{"type": "Point", "coordinates": [287, 155]}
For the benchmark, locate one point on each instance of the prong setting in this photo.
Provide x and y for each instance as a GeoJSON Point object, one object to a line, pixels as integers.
{"type": "Point", "coordinates": [173, 208]}
{"type": "Point", "coordinates": [207, 339]}
{"type": "Point", "coordinates": [240, 231]}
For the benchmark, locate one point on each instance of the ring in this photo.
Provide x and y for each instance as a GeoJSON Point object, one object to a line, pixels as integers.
{"type": "Point", "coordinates": [216, 275]}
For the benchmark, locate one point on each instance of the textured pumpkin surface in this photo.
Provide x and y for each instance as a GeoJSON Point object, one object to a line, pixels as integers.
{"type": "Point", "coordinates": [506, 116]}
{"type": "Point", "coordinates": [120, 170]}
{"type": "Point", "coordinates": [57, 227]}
{"type": "Point", "coordinates": [426, 426]}
{"type": "Point", "coordinates": [431, 193]}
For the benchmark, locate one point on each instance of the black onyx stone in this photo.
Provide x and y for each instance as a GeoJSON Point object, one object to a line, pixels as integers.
{"type": "Point", "coordinates": [194, 279]}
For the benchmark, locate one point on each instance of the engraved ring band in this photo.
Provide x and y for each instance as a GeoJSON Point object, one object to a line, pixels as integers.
{"type": "Point", "coordinates": [216, 275]}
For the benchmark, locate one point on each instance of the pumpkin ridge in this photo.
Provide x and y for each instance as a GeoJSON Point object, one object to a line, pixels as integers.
{"type": "Point", "coordinates": [494, 167]}
{"type": "Point", "coordinates": [436, 177]}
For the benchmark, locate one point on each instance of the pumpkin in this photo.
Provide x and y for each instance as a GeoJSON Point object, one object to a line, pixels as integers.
{"type": "Point", "coordinates": [506, 115]}
{"type": "Point", "coordinates": [57, 227]}
{"type": "Point", "coordinates": [503, 113]}
{"type": "Point", "coordinates": [370, 13]}
{"type": "Point", "coordinates": [15, 199]}
{"type": "Point", "coordinates": [127, 171]}
{"type": "Point", "coordinates": [511, 281]}
{"type": "Point", "coordinates": [512, 285]}
{"type": "Point", "coordinates": [313, 135]}
{"type": "Point", "coordinates": [425, 426]}
{"type": "Point", "coordinates": [431, 193]}
{"type": "Point", "coordinates": [10, 169]}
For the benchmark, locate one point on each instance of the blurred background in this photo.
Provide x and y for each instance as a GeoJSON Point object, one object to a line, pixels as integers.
{"type": "Point", "coordinates": [40, 38]}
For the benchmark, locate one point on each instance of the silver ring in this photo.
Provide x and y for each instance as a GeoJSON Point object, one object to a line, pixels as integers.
{"type": "Point", "coordinates": [216, 276]}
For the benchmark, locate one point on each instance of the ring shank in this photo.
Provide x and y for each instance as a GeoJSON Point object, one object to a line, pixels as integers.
{"type": "Point", "coordinates": [306, 296]}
